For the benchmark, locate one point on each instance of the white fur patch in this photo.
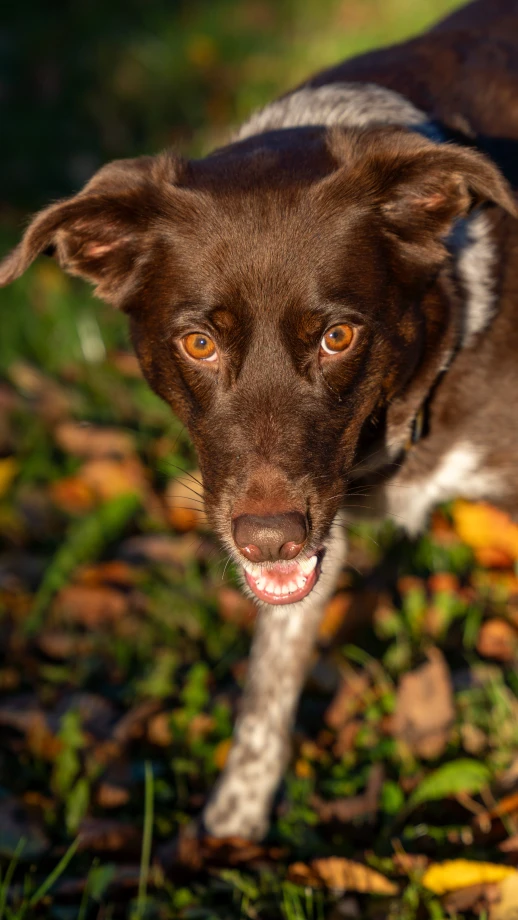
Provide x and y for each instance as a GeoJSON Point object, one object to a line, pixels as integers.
{"type": "Point", "coordinates": [460, 473]}
{"type": "Point", "coordinates": [281, 651]}
{"type": "Point", "coordinates": [475, 256]}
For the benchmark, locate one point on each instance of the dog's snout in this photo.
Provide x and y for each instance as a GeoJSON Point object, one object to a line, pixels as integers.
{"type": "Point", "coordinates": [268, 539]}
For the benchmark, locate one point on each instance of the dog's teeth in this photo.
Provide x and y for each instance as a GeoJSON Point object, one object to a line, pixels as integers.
{"type": "Point", "coordinates": [261, 583]}
{"type": "Point", "coordinates": [307, 565]}
{"type": "Point", "coordinates": [277, 590]}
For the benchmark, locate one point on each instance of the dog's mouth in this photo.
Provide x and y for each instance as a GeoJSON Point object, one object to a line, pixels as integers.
{"type": "Point", "coordinates": [283, 582]}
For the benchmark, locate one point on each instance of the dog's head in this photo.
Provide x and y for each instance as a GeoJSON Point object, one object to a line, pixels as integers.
{"type": "Point", "coordinates": [288, 296]}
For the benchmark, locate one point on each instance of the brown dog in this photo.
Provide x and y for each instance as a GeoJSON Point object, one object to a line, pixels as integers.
{"type": "Point", "coordinates": [329, 304]}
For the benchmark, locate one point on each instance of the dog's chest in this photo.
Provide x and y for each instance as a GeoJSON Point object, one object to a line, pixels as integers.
{"type": "Point", "coordinates": [460, 471]}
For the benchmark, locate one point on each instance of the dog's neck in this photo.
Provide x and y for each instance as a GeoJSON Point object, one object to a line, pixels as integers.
{"type": "Point", "coordinates": [362, 105]}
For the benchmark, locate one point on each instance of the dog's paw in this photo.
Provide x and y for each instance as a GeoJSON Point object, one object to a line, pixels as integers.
{"type": "Point", "coordinates": [228, 814]}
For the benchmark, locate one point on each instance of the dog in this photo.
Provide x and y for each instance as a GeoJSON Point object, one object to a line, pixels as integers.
{"type": "Point", "coordinates": [329, 303]}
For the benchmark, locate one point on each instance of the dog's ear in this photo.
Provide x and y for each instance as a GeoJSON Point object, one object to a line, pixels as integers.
{"type": "Point", "coordinates": [420, 188]}
{"type": "Point", "coordinates": [99, 234]}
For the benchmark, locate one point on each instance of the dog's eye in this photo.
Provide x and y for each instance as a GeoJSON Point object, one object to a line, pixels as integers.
{"type": "Point", "coordinates": [337, 339]}
{"type": "Point", "coordinates": [200, 346]}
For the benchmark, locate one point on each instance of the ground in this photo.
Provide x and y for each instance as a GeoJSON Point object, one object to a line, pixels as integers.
{"type": "Point", "coordinates": [124, 650]}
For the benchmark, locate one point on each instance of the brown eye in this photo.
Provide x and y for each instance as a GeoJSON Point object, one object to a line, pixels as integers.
{"type": "Point", "coordinates": [337, 339]}
{"type": "Point", "coordinates": [200, 346]}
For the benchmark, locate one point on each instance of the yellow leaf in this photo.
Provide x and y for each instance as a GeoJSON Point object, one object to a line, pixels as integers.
{"type": "Point", "coordinates": [483, 527]}
{"type": "Point", "coordinates": [221, 752]}
{"type": "Point", "coordinates": [507, 906]}
{"type": "Point", "coordinates": [8, 470]}
{"type": "Point", "coordinates": [461, 873]}
{"type": "Point", "coordinates": [342, 874]}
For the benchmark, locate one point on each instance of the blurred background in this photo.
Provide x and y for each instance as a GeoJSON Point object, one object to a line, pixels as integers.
{"type": "Point", "coordinates": [124, 637]}
{"type": "Point", "coordinates": [85, 81]}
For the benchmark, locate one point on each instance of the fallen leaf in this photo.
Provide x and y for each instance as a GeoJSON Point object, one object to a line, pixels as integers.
{"type": "Point", "coordinates": [341, 874]}
{"type": "Point", "coordinates": [474, 899]}
{"type": "Point", "coordinates": [109, 478]}
{"type": "Point", "coordinates": [335, 614]}
{"type": "Point", "coordinates": [90, 606]}
{"type": "Point", "coordinates": [159, 729]}
{"type": "Point", "coordinates": [160, 548]}
{"type": "Point", "coordinates": [110, 796]}
{"type": "Point", "coordinates": [484, 527]}
{"type": "Point", "coordinates": [133, 725]}
{"type": "Point", "coordinates": [91, 441]}
{"type": "Point", "coordinates": [425, 712]}
{"type": "Point", "coordinates": [460, 873]}
{"type": "Point", "coordinates": [115, 572]}
{"type": "Point", "coordinates": [234, 607]}
{"type": "Point", "coordinates": [506, 908]}
{"type": "Point", "coordinates": [106, 835]}
{"type": "Point", "coordinates": [221, 752]}
{"type": "Point", "coordinates": [8, 471]}
{"type": "Point", "coordinates": [126, 363]}
{"type": "Point", "coordinates": [359, 806]}
{"type": "Point", "coordinates": [72, 495]}
{"type": "Point", "coordinates": [349, 698]}
{"type": "Point", "coordinates": [184, 501]}
{"type": "Point", "coordinates": [497, 639]}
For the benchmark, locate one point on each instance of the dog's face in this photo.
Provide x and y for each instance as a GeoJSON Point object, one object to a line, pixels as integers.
{"type": "Point", "coordinates": [287, 296]}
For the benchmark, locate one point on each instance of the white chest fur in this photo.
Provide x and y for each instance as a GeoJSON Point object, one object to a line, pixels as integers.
{"type": "Point", "coordinates": [460, 472]}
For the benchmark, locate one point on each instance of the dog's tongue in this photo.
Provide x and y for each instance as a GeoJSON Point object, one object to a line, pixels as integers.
{"type": "Point", "coordinates": [285, 582]}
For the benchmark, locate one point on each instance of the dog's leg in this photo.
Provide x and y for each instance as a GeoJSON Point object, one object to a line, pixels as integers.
{"type": "Point", "coordinates": [281, 651]}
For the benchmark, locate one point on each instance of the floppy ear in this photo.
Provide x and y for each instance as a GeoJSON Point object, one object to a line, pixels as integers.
{"type": "Point", "coordinates": [99, 233]}
{"type": "Point", "coordinates": [421, 188]}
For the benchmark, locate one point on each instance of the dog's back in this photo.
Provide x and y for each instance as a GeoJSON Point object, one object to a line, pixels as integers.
{"type": "Point", "coordinates": [464, 73]}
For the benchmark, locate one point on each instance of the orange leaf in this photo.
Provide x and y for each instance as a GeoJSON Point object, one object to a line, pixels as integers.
{"type": "Point", "coordinates": [342, 874]}
{"type": "Point", "coordinates": [221, 753]}
{"type": "Point", "coordinates": [497, 639]}
{"type": "Point", "coordinates": [484, 527]}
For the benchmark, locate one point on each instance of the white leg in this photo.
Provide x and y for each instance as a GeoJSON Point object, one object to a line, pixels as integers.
{"type": "Point", "coordinates": [281, 650]}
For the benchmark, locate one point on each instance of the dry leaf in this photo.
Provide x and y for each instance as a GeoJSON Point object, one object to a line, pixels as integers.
{"type": "Point", "coordinates": [221, 752]}
{"type": "Point", "coordinates": [8, 471]}
{"type": "Point", "coordinates": [111, 796]}
{"type": "Point", "coordinates": [497, 639]}
{"type": "Point", "coordinates": [335, 614]}
{"type": "Point", "coordinates": [90, 606]}
{"type": "Point", "coordinates": [159, 548]}
{"type": "Point", "coordinates": [461, 873]}
{"type": "Point", "coordinates": [109, 478]}
{"type": "Point", "coordinates": [72, 495]}
{"type": "Point", "coordinates": [507, 906]}
{"type": "Point", "coordinates": [115, 572]}
{"type": "Point", "coordinates": [424, 711]}
{"type": "Point", "coordinates": [106, 835]}
{"type": "Point", "coordinates": [133, 725]}
{"type": "Point", "coordinates": [348, 699]}
{"type": "Point", "coordinates": [234, 607]}
{"type": "Point", "coordinates": [358, 806]}
{"type": "Point", "coordinates": [91, 441]}
{"type": "Point", "coordinates": [474, 899]}
{"type": "Point", "coordinates": [159, 729]}
{"type": "Point", "coordinates": [184, 500]}
{"type": "Point", "coordinates": [342, 875]}
{"type": "Point", "coordinates": [484, 527]}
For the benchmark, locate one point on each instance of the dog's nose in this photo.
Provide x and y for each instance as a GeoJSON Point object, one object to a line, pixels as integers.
{"type": "Point", "coordinates": [267, 539]}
